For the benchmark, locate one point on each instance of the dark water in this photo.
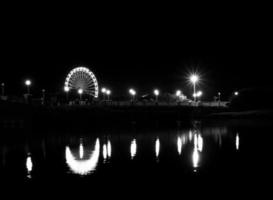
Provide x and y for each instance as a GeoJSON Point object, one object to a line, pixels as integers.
{"type": "Point", "coordinates": [207, 158]}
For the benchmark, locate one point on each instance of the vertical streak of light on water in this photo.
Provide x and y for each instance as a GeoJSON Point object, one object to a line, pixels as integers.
{"type": "Point", "coordinates": [133, 148]}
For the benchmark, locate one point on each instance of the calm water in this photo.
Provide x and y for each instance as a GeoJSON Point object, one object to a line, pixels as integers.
{"type": "Point", "coordinates": [212, 157]}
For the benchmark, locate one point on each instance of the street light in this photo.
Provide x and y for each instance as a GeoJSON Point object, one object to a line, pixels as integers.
{"type": "Point", "coordinates": [178, 93]}
{"type": "Point", "coordinates": [194, 79]}
{"type": "Point", "coordinates": [156, 93]}
{"type": "Point", "coordinates": [132, 93]}
{"type": "Point", "coordinates": [80, 91]}
{"type": "Point", "coordinates": [198, 94]}
{"type": "Point", "coordinates": [28, 84]}
{"type": "Point", "coordinates": [66, 90]}
{"type": "Point", "coordinates": [103, 91]}
{"type": "Point", "coordinates": [108, 92]}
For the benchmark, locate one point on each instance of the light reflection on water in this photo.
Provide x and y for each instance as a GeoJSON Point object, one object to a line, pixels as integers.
{"type": "Point", "coordinates": [237, 142]}
{"type": "Point", "coordinates": [84, 156]}
{"type": "Point", "coordinates": [195, 158]}
{"type": "Point", "coordinates": [179, 145]}
{"type": "Point", "coordinates": [157, 147]}
{"type": "Point", "coordinates": [29, 166]}
{"type": "Point", "coordinates": [106, 151]}
{"type": "Point", "coordinates": [133, 148]}
{"type": "Point", "coordinates": [85, 164]}
{"type": "Point", "coordinates": [109, 149]}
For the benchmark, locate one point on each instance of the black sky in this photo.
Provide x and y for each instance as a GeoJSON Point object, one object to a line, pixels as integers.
{"type": "Point", "coordinates": [127, 49]}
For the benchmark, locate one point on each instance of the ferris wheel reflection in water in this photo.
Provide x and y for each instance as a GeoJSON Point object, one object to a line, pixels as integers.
{"type": "Point", "coordinates": [83, 163]}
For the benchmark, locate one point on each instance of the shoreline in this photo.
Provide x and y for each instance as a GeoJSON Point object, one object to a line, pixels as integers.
{"type": "Point", "coordinates": [89, 117]}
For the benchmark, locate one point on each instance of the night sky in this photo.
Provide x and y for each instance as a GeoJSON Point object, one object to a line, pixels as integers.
{"type": "Point", "coordinates": [136, 50]}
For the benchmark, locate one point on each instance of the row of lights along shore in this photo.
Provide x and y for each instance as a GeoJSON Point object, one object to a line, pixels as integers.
{"type": "Point", "coordinates": [194, 79]}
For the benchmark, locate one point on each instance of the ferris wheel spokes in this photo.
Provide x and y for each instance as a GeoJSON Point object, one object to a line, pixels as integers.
{"type": "Point", "coordinates": [82, 78]}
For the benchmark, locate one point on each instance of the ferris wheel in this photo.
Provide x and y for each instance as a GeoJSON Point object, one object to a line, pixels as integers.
{"type": "Point", "coordinates": [81, 78]}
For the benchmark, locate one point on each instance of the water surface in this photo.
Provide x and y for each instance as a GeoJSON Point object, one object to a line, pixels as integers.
{"type": "Point", "coordinates": [218, 156]}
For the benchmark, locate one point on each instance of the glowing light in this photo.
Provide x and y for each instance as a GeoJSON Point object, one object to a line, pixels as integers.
{"type": "Point", "coordinates": [82, 77]}
{"type": "Point", "coordinates": [80, 91]}
{"type": "Point", "coordinates": [132, 92]}
{"type": "Point", "coordinates": [200, 143]}
{"type": "Point", "coordinates": [236, 93]}
{"type": "Point", "coordinates": [179, 145]}
{"type": "Point", "coordinates": [28, 82]}
{"type": "Point", "coordinates": [198, 147]}
{"type": "Point", "coordinates": [103, 90]}
{"type": "Point", "coordinates": [29, 165]}
{"type": "Point", "coordinates": [133, 148]}
{"type": "Point", "coordinates": [156, 92]}
{"type": "Point", "coordinates": [190, 135]}
{"type": "Point", "coordinates": [66, 89]}
{"type": "Point", "coordinates": [104, 152]}
{"type": "Point", "coordinates": [157, 147]}
{"type": "Point", "coordinates": [195, 158]}
{"type": "Point", "coordinates": [184, 139]}
{"type": "Point", "coordinates": [178, 93]}
{"type": "Point", "coordinates": [108, 92]}
{"type": "Point", "coordinates": [198, 94]}
{"type": "Point", "coordinates": [109, 149]}
{"type": "Point", "coordinates": [81, 151]}
{"type": "Point", "coordinates": [237, 141]}
{"type": "Point", "coordinates": [83, 166]}
{"type": "Point", "coordinates": [195, 141]}
{"type": "Point", "coordinates": [194, 78]}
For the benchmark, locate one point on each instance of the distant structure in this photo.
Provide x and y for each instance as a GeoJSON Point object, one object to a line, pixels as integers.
{"type": "Point", "coordinates": [82, 79]}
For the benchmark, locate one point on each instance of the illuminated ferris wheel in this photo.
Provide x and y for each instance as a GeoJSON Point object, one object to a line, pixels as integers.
{"type": "Point", "coordinates": [81, 78]}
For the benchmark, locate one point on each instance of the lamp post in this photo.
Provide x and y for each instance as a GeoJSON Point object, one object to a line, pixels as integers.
{"type": "Point", "coordinates": [66, 90]}
{"type": "Point", "coordinates": [108, 92]}
{"type": "Point", "coordinates": [3, 89]}
{"type": "Point", "coordinates": [28, 84]}
{"type": "Point", "coordinates": [103, 91]}
{"type": "Point", "coordinates": [156, 93]}
{"type": "Point", "coordinates": [199, 94]}
{"type": "Point", "coordinates": [80, 91]}
{"type": "Point", "coordinates": [133, 94]}
{"type": "Point", "coordinates": [194, 79]}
